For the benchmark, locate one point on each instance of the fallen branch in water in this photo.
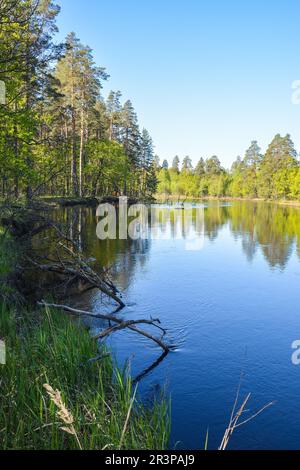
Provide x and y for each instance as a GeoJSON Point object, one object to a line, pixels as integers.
{"type": "Point", "coordinates": [120, 324]}
{"type": "Point", "coordinates": [68, 262]}
{"type": "Point", "coordinates": [78, 269]}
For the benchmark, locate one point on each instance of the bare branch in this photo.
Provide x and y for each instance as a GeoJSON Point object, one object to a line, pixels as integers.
{"type": "Point", "coordinates": [120, 323]}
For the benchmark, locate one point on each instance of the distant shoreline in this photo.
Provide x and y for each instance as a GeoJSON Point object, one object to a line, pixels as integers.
{"type": "Point", "coordinates": [283, 202]}
{"type": "Point", "coordinates": [62, 202]}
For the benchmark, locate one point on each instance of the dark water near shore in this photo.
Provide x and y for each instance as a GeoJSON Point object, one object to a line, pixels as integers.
{"type": "Point", "coordinates": [232, 304]}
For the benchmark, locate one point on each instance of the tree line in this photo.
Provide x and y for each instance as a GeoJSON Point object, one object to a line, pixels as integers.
{"type": "Point", "coordinates": [273, 175]}
{"type": "Point", "coordinates": [58, 135]}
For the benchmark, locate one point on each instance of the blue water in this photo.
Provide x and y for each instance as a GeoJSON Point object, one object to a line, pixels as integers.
{"type": "Point", "coordinates": [231, 306]}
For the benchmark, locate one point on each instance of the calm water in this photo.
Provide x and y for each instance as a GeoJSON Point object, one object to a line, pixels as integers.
{"type": "Point", "coordinates": [232, 305]}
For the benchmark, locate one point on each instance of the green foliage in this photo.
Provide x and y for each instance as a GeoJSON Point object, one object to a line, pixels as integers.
{"type": "Point", "coordinates": [105, 170]}
{"type": "Point", "coordinates": [275, 175]}
{"type": "Point", "coordinates": [164, 182]}
{"type": "Point", "coordinates": [294, 183]}
{"type": "Point", "coordinates": [55, 124]}
{"type": "Point", "coordinates": [59, 136]}
{"type": "Point", "coordinates": [200, 167]}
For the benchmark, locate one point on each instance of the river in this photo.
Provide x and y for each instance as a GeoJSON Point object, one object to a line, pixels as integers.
{"type": "Point", "coordinates": [230, 304]}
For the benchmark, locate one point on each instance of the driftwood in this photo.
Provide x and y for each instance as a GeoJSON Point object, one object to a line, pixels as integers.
{"type": "Point", "coordinates": [89, 277]}
{"type": "Point", "coordinates": [120, 324]}
{"type": "Point", "coordinates": [67, 262]}
{"type": "Point", "coordinates": [74, 267]}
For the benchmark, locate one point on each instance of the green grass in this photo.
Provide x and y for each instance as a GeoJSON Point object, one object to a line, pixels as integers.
{"type": "Point", "coordinates": [49, 347]}
{"type": "Point", "coordinates": [8, 260]}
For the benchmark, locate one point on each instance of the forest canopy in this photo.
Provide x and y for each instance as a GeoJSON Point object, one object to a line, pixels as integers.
{"type": "Point", "coordinates": [274, 175]}
{"type": "Point", "coordinates": [59, 135]}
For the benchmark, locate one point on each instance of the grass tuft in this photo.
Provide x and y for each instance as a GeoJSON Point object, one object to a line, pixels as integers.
{"type": "Point", "coordinates": [53, 397]}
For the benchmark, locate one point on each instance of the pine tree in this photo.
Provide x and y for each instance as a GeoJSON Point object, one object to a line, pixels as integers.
{"type": "Point", "coordinates": [79, 84]}
{"type": "Point", "coordinates": [238, 165]}
{"type": "Point", "coordinates": [27, 50]}
{"type": "Point", "coordinates": [213, 166]}
{"type": "Point", "coordinates": [280, 157]}
{"type": "Point", "coordinates": [187, 164]}
{"type": "Point", "coordinates": [149, 180]}
{"type": "Point", "coordinates": [200, 168]}
{"type": "Point", "coordinates": [57, 134]}
{"type": "Point", "coordinates": [115, 115]}
{"type": "Point", "coordinates": [130, 138]}
{"type": "Point", "coordinates": [175, 164]}
{"type": "Point", "coordinates": [253, 155]}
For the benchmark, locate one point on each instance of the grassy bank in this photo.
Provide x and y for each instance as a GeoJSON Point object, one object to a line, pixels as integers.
{"type": "Point", "coordinates": [53, 349]}
{"type": "Point", "coordinates": [86, 403]}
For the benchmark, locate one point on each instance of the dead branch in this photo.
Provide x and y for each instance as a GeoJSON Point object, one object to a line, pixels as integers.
{"type": "Point", "coordinates": [89, 271]}
{"type": "Point", "coordinates": [68, 262]}
{"type": "Point", "coordinates": [120, 324]}
{"type": "Point", "coordinates": [79, 269]}
{"type": "Point", "coordinates": [27, 226]}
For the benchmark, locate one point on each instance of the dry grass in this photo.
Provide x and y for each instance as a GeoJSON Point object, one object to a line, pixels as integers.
{"type": "Point", "coordinates": [63, 414]}
{"type": "Point", "coordinates": [236, 414]}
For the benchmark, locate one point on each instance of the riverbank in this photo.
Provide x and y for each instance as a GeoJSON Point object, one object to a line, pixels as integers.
{"type": "Point", "coordinates": [174, 198]}
{"type": "Point", "coordinates": [56, 202]}
{"type": "Point", "coordinates": [60, 390]}
{"type": "Point", "coordinates": [83, 201]}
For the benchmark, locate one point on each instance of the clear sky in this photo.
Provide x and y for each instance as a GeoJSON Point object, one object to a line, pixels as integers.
{"type": "Point", "coordinates": [205, 76]}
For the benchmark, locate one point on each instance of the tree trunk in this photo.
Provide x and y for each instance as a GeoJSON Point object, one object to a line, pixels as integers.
{"type": "Point", "coordinates": [74, 184]}
{"type": "Point", "coordinates": [16, 152]}
{"type": "Point", "coordinates": [81, 152]}
{"type": "Point", "coordinates": [29, 193]}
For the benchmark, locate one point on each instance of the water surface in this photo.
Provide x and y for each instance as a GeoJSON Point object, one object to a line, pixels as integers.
{"type": "Point", "coordinates": [232, 305]}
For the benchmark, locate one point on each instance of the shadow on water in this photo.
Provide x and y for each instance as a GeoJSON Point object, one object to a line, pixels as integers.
{"type": "Point", "coordinates": [149, 369]}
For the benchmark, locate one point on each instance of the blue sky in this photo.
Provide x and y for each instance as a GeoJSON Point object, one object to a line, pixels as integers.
{"type": "Point", "coordinates": [205, 77]}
